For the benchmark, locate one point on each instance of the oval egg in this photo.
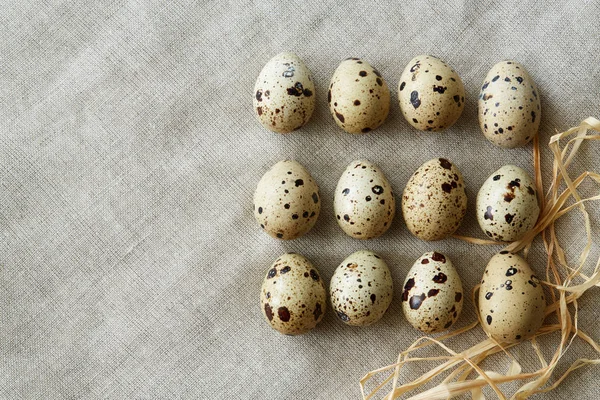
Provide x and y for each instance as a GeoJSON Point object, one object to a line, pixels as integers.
{"type": "Point", "coordinates": [509, 106]}
{"type": "Point", "coordinates": [432, 298]}
{"type": "Point", "coordinates": [507, 206]}
{"type": "Point", "coordinates": [511, 299]}
{"type": "Point", "coordinates": [293, 295]}
{"type": "Point", "coordinates": [434, 201]}
{"type": "Point", "coordinates": [286, 201]}
{"type": "Point", "coordinates": [359, 98]}
{"type": "Point", "coordinates": [364, 202]}
{"type": "Point", "coordinates": [284, 94]}
{"type": "Point", "coordinates": [361, 288]}
{"type": "Point", "coordinates": [431, 94]}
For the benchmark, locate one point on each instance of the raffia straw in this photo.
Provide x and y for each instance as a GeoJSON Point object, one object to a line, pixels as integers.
{"type": "Point", "coordinates": [463, 372]}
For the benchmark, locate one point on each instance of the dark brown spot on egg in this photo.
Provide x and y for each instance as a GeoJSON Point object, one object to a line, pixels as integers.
{"type": "Point", "coordinates": [509, 218]}
{"type": "Point", "coordinates": [268, 311]}
{"type": "Point", "coordinates": [259, 95]}
{"type": "Point", "coordinates": [446, 187]}
{"type": "Point", "coordinates": [318, 311]}
{"type": "Point", "coordinates": [488, 295]}
{"type": "Point", "coordinates": [315, 197]}
{"type": "Point", "coordinates": [339, 116]}
{"type": "Point", "coordinates": [259, 110]}
{"type": "Point", "coordinates": [458, 297]}
{"type": "Point", "coordinates": [272, 273]}
{"type": "Point", "coordinates": [440, 278]}
{"type": "Point", "coordinates": [357, 102]}
{"type": "Point", "coordinates": [433, 292]}
{"type": "Point", "coordinates": [373, 297]}
{"type": "Point", "coordinates": [379, 81]}
{"type": "Point", "coordinates": [299, 182]}
{"type": "Point", "coordinates": [283, 313]}
{"type": "Point", "coordinates": [445, 163]}
{"type": "Point", "coordinates": [362, 73]}
{"type": "Point", "coordinates": [285, 269]}
{"type": "Point", "coordinates": [438, 257]}
{"type": "Point", "coordinates": [489, 319]}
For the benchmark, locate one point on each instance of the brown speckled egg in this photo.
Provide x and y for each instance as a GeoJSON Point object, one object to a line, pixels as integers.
{"type": "Point", "coordinates": [432, 298]}
{"type": "Point", "coordinates": [364, 202]}
{"type": "Point", "coordinates": [509, 106]}
{"type": "Point", "coordinates": [359, 98]}
{"type": "Point", "coordinates": [431, 94]}
{"type": "Point", "coordinates": [361, 289]}
{"type": "Point", "coordinates": [286, 201]}
{"type": "Point", "coordinates": [511, 299]}
{"type": "Point", "coordinates": [284, 94]}
{"type": "Point", "coordinates": [434, 201]}
{"type": "Point", "coordinates": [292, 297]}
{"type": "Point", "coordinates": [507, 206]}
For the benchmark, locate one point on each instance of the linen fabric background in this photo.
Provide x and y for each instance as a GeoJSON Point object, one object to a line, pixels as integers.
{"type": "Point", "coordinates": [130, 261]}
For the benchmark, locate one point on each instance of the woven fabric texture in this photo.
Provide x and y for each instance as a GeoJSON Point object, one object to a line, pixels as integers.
{"type": "Point", "coordinates": [130, 260]}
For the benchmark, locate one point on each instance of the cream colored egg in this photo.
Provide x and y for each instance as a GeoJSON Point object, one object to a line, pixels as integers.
{"type": "Point", "coordinates": [286, 201]}
{"type": "Point", "coordinates": [284, 94]}
{"type": "Point", "coordinates": [432, 298]}
{"type": "Point", "coordinates": [364, 202]}
{"type": "Point", "coordinates": [293, 296]}
{"type": "Point", "coordinates": [359, 98]}
{"type": "Point", "coordinates": [509, 106]}
{"type": "Point", "coordinates": [434, 201]}
{"type": "Point", "coordinates": [507, 205]}
{"type": "Point", "coordinates": [431, 94]}
{"type": "Point", "coordinates": [361, 288]}
{"type": "Point", "coordinates": [511, 299]}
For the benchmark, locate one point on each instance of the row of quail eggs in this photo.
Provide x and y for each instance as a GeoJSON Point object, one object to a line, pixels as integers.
{"type": "Point", "coordinates": [431, 96]}
{"type": "Point", "coordinates": [510, 306]}
{"type": "Point", "coordinates": [287, 202]}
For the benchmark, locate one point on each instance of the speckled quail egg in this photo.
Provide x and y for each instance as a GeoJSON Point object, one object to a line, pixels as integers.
{"type": "Point", "coordinates": [284, 94]}
{"type": "Point", "coordinates": [507, 205]}
{"type": "Point", "coordinates": [511, 299]}
{"type": "Point", "coordinates": [364, 202]}
{"type": "Point", "coordinates": [293, 296]}
{"type": "Point", "coordinates": [434, 201]}
{"type": "Point", "coordinates": [431, 94]}
{"type": "Point", "coordinates": [286, 201]}
{"type": "Point", "coordinates": [361, 288]}
{"type": "Point", "coordinates": [433, 295]}
{"type": "Point", "coordinates": [359, 98]}
{"type": "Point", "coordinates": [509, 106]}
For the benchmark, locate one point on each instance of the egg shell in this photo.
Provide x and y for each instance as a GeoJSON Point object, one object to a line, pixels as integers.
{"type": "Point", "coordinates": [511, 299]}
{"type": "Point", "coordinates": [431, 94]}
{"type": "Point", "coordinates": [293, 296]}
{"type": "Point", "coordinates": [286, 201]}
{"type": "Point", "coordinates": [509, 106]}
{"type": "Point", "coordinates": [507, 205]}
{"type": "Point", "coordinates": [364, 202]}
{"type": "Point", "coordinates": [284, 94]}
{"type": "Point", "coordinates": [434, 201]}
{"type": "Point", "coordinates": [359, 98]}
{"type": "Point", "coordinates": [361, 289]}
{"type": "Point", "coordinates": [432, 298]}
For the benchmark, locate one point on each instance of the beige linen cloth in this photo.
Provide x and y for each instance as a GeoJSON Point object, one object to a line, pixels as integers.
{"type": "Point", "coordinates": [130, 261]}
